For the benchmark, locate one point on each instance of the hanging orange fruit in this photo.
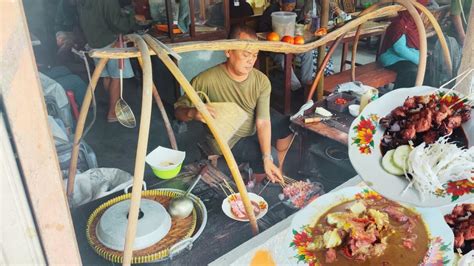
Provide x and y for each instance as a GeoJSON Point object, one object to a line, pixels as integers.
{"type": "Point", "coordinates": [299, 40]}
{"type": "Point", "coordinates": [288, 39]}
{"type": "Point", "coordinates": [273, 36]}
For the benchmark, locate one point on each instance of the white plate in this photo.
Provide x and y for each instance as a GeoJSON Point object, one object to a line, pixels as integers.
{"type": "Point", "coordinates": [252, 197]}
{"type": "Point", "coordinates": [441, 236]}
{"type": "Point", "coordinates": [366, 158]}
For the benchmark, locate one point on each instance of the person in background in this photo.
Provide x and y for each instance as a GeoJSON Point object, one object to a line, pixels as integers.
{"type": "Point", "coordinates": [308, 59]}
{"type": "Point", "coordinates": [102, 22]}
{"type": "Point", "coordinates": [68, 32]}
{"type": "Point", "coordinates": [460, 11]}
{"type": "Point", "coordinates": [240, 9]}
{"type": "Point", "coordinates": [400, 49]}
{"type": "Point", "coordinates": [236, 80]}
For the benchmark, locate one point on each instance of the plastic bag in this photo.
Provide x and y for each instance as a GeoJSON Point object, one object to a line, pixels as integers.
{"type": "Point", "coordinates": [97, 183]}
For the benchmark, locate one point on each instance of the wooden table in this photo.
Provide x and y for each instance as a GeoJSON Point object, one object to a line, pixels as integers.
{"type": "Point", "coordinates": [337, 128]}
{"type": "Point", "coordinates": [369, 29]}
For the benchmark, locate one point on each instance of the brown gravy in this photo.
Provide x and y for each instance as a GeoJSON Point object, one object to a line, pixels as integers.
{"type": "Point", "coordinates": [395, 253]}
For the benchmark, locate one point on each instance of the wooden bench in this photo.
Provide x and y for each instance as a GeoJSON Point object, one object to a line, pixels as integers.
{"type": "Point", "coordinates": [372, 74]}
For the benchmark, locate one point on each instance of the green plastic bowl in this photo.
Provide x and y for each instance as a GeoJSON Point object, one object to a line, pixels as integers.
{"type": "Point", "coordinates": [167, 174]}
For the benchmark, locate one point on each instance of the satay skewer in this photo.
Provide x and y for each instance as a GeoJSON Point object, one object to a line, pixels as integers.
{"type": "Point", "coordinates": [463, 75]}
{"type": "Point", "coordinates": [229, 187]}
{"type": "Point", "coordinates": [462, 99]}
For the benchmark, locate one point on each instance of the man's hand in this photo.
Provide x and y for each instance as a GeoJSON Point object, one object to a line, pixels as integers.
{"type": "Point", "coordinates": [272, 171]}
{"type": "Point", "coordinates": [198, 116]}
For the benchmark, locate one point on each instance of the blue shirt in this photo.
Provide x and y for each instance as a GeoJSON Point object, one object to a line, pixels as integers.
{"type": "Point", "coordinates": [399, 52]}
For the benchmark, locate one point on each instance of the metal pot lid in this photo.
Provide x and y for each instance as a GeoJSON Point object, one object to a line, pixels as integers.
{"type": "Point", "coordinates": [153, 224]}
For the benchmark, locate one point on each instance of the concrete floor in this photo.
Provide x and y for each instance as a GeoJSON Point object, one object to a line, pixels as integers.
{"type": "Point", "coordinates": [115, 146]}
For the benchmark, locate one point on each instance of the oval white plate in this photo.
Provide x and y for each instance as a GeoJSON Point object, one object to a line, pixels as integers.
{"type": "Point", "coordinates": [365, 154]}
{"type": "Point", "coordinates": [253, 197]}
{"type": "Point", "coordinates": [441, 246]}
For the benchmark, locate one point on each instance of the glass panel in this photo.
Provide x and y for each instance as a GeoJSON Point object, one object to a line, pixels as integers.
{"type": "Point", "coordinates": [209, 14]}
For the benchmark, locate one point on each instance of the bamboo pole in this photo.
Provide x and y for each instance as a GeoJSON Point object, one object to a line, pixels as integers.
{"type": "Point", "coordinates": [421, 33]}
{"type": "Point", "coordinates": [193, 96]}
{"type": "Point", "coordinates": [322, 66]}
{"type": "Point", "coordinates": [439, 32]}
{"type": "Point", "coordinates": [278, 47]}
{"type": "Point", "coordinates": [161, 107]}
{"type": "Point", "coordinates": [141, 148]}
{"type": "Point", "coordinates": [322, 49]}
{"type": "Point", "coordinates": [80, 125]}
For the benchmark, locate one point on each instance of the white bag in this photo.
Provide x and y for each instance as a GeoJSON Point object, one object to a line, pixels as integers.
{"type": "Point", "coordinates": [97, 183]}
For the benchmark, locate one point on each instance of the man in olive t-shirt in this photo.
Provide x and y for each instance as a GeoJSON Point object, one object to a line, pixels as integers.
{"type": "Point", "coordinates": [237, 81]}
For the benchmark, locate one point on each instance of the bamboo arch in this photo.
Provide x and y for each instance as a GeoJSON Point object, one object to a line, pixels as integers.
{"type": "Point", "coordinates": [150, 46]}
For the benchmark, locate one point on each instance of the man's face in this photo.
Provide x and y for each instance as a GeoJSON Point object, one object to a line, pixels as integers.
{"type": "Point", "coordinates": [289, 7]}
{"type": "Point", "coordinates": [242, 61]}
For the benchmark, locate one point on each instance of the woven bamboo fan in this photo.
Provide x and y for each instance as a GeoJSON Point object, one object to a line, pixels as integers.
{"type": "Point", "coordinates": [229, 117]}
{"type": "Point", "coordinates": [180, 229]}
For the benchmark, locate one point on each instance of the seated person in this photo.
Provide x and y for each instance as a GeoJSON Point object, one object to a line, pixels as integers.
{"type": "Point", "coordinates": [460, 10]}
{"type": "Point", "coordinates": [237, 81]}
{"type": "Point", "coordinates": [400, 49]}
{"type": "Point", "coordinates": [241, 10]}
{"type": "Point", "coordinates": [308, 59]}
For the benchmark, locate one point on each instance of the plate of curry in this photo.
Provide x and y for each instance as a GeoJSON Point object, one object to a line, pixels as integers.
{"type": "Point", "coordinates": [357, 226]}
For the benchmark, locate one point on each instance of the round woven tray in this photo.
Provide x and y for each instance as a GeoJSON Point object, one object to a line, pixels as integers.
{"type": "Point", "coordinates": [180, 229]}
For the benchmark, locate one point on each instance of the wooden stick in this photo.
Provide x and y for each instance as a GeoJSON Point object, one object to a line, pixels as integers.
{"type": "Point", "coordinates": [421, 33]}
{"type": "Point", "coordinates": [462, 99]}
{"type": "Point", "coordinates": [161, 107]}
{"type": "Point", "coordinates": [192, 95]}
{"type": "Point", "coordinates": [225, 192]}
{"type": "Point", "coordinates": [229, 187]}
{"type": "Point", "coordinates": [80, 126]}
{"type": "Point", "coordinates": [141, 148]}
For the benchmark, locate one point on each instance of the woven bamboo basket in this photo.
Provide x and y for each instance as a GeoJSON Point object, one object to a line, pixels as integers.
{"type": "Point", "coordinates": [229, 117]}
{"type": "Point", "coordinates": [180, 229]}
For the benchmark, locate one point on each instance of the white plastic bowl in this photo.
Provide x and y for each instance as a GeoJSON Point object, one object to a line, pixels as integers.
{"type": "Point", "coordinates": [354, 109]}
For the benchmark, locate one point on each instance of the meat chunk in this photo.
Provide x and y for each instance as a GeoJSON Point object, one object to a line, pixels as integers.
{"type": "Point", "coordinates": [454, 121]}
{"type": "Point", "coordinates": [399, 112]}
{"type": "Point", "coordinates": [410, 103]}
{"type": "Point", "coordinates": [409, 244]}
{"type": "Point", "coordinates": [423, 125]}
{"type": "Point", "coordinates": [409, 133]}
{"type": "Point", "coordinates": [458, 211]}
{"type": "Point", "coordinates": [396, 214]}
{"type": "Point", "coordinates": [468, 207]}
{"type": "Point", "coordinates": [430, 136]}
{"type": "Point", "coordinates": [331, 255]}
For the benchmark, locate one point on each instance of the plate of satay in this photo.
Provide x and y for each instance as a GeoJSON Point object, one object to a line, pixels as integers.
{"type": "Point", "coordinates": [234, 208]}
{"type": "Point", "coordinates": [415, 145]}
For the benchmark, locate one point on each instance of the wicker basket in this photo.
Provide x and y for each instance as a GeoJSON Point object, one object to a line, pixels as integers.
{"type": "Point", "coordinates": [180, 229]}
{"type": "Point", "coordinates": [229, 117]}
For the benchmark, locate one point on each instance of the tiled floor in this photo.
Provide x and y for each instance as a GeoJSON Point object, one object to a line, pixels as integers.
{"type": "Point", "coordinates": [115, 146]}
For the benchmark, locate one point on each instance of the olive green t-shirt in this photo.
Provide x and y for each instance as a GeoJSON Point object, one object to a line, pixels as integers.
{"type": "Point", "coordinates": [461, 5]}
{"type": "Point", "coordinates": [252, 95]}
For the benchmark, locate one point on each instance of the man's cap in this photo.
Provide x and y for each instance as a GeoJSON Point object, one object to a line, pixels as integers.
{"type": "Point", "coordinates": [288, 1]}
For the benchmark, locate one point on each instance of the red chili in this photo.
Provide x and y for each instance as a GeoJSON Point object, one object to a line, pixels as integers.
{"type": "Point", "coordinates": [340, 101]}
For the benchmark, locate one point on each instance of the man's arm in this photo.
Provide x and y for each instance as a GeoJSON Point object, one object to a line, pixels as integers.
{"type": "Point", "coordinates": [264, 133]}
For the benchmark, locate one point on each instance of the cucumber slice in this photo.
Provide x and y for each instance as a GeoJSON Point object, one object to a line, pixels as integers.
{"type": "Point", "coordinates": [389, 166]}
{"type": "Point", "coordinates": [400, 156]}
